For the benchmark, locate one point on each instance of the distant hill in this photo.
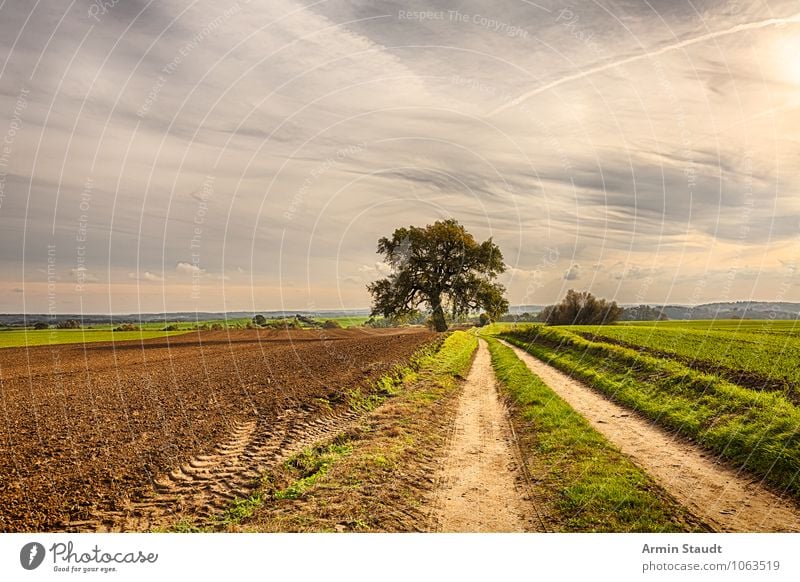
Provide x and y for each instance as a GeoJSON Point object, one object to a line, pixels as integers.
{"type": "Point", "coordinates": [733, 310]}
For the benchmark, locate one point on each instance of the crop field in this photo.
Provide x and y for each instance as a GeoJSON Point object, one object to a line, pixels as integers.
{"type": "Point", "coordinates": [88, 430]}
{"type": "Point", "coordinates": [730, 387]}
{"type": "Point", "coordinates": [758, 354]}
{"type": "Point", "coordinates": [15, 337]}
{"type": "Point", "coordinates": [42, 337]}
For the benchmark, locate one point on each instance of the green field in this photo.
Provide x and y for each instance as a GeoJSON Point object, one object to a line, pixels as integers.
{"type": "Point", "coordinates": [347, 321]}
{"type": "Point", "coordinates": [655, 372]}
{"type": "Point", "coordinates": [43, 337]}
{"type": "Point", "coordinates": [757, 354]}
{"type": "Point", "coordinates": [16, 337]}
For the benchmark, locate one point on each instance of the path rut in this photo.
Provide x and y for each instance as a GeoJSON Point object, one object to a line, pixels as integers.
{"type": "Point", "coordinates": [481, 487]}
{"type": "Point", "coordinates": [725, 499]}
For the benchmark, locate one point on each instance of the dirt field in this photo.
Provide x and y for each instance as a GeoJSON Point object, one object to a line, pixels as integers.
{"type": "Point", "coordinates": [87, 430]}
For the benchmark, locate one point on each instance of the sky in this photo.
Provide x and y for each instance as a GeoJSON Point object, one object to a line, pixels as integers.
{"type": "Point", "coordinates": [182, 155]}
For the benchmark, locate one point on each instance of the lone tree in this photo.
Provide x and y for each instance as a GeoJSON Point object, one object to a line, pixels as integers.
{"type": "Point", "coordinates": [443, 267]}
{"type": "Point", "coordinates": [581, 308]}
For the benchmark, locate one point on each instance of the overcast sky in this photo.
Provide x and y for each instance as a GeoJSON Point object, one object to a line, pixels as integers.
{"type": "Point", "coordinates": [180, 155]}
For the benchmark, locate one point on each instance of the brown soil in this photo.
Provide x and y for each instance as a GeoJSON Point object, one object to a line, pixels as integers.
{"type": "Point", "coordinates": [89, 431]}
{"type": "Point", "coordinates": [481, 484]}
{"type": "Point", "coordinates": [385, 482]}
{"type": "Point", "coordinates": [723, 498]}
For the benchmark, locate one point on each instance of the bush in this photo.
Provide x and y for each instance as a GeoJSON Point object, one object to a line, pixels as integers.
{"type": "Point", "coordinates": [484, 320]}
{"type": "Point", "coordinates": [331, 324]}
{"type": "Point", "coordinates": [581, 308]}
{"type": "Point", "coordinates": [40, 325]}
{"type": "Point", "coordinates": [127, 327]}
{"type": "Point", "coordinates": [307, 320]}
{"type": "Point", "coordinates": [216, 327]}
{"type": "Point", "coordinates": [69, 324]}
{"type": "Point", "coordinates": [259, 320]}
{"type": "Point", "coordinates": [172, 327]}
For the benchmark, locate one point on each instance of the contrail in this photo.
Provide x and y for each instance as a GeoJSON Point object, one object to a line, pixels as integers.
{"type": "Point", "coordinates": [678, 45]}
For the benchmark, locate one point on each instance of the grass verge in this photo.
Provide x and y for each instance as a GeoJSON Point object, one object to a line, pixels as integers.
{"type": "Point", "coordinates": [757, 431]}
{"type": "Point", "coordinates": [375, 476]}
{"type": "Point", "coordinates": [583, 482]}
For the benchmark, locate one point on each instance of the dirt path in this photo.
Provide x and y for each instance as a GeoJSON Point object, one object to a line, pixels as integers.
{"type": "Point", "coordinates": [481, 488]}
{"type": "Point", "coordinates": [724, 499]}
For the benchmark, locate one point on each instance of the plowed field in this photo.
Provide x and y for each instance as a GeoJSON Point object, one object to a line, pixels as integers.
{"type": "Point", "coordinates": [89, 430]}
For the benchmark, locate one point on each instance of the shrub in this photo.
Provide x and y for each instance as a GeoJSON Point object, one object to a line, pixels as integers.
{"type": "Point", "coordinates": [41, 325]}
{"type": "Point", "coordinates": [581, 308]}
{"type": "Point", "coordinates": [331, 324]}
{"type": "Point", "coordinates": [127, 327]}
{"type": "Point", "coordinates": [69, 324]}
{"type": "Point", "coordinates": [172, 327]}
{"type": "Point", "coordinates": [259, 320]}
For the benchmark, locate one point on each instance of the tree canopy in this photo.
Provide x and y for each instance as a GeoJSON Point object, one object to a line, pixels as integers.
{"type": "Point", "coordinates": [581, 308]}
{"type": "Point", "coordinates": [442, 267]}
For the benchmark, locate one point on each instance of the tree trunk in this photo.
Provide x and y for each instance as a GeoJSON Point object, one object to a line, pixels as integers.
{"type": "Point", "coordinates": [439, 323]}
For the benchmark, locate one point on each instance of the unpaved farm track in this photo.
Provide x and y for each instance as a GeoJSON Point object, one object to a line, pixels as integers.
{"type": "Point", "coordinates": [481, 484]}
{"type": "Point", "coordinates": [86, 432]}
{"type": "Point", "coordinates": [726, 500]}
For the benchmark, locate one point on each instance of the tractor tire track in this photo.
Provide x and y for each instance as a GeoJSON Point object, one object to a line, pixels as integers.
{"type": "Point", "coordinates": [200, 491]}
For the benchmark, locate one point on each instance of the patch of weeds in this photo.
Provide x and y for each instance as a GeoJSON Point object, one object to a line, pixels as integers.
{"type": "Point", "coordinates": [309, 466]}
{"type": "Point", "coordinates": [241, 509]}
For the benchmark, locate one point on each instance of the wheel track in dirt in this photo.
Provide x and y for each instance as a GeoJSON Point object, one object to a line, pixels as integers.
{"type": "Point", "coordinates": [201, 490]}
{"type": "Point", "coordinates": [482, 485]}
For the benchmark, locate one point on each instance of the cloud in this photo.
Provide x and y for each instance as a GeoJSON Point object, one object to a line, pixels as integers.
{"type": "Point", "coordinates": [190, 269]}
{"type": "Point", "coordinates": [83, 275]}
{"type": "Point", "coordinates": [378, 269]}
{"type": "Point", "coordinates": [146, 276]}
{"type": "Point", "coordinates": [198, 272]}
{"type": "Point", "coordinates": [573, 273]}
{"type": "Point", "coordinates": [368, 273]}
{"type": "Point", "coordinates": [632, 273]}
